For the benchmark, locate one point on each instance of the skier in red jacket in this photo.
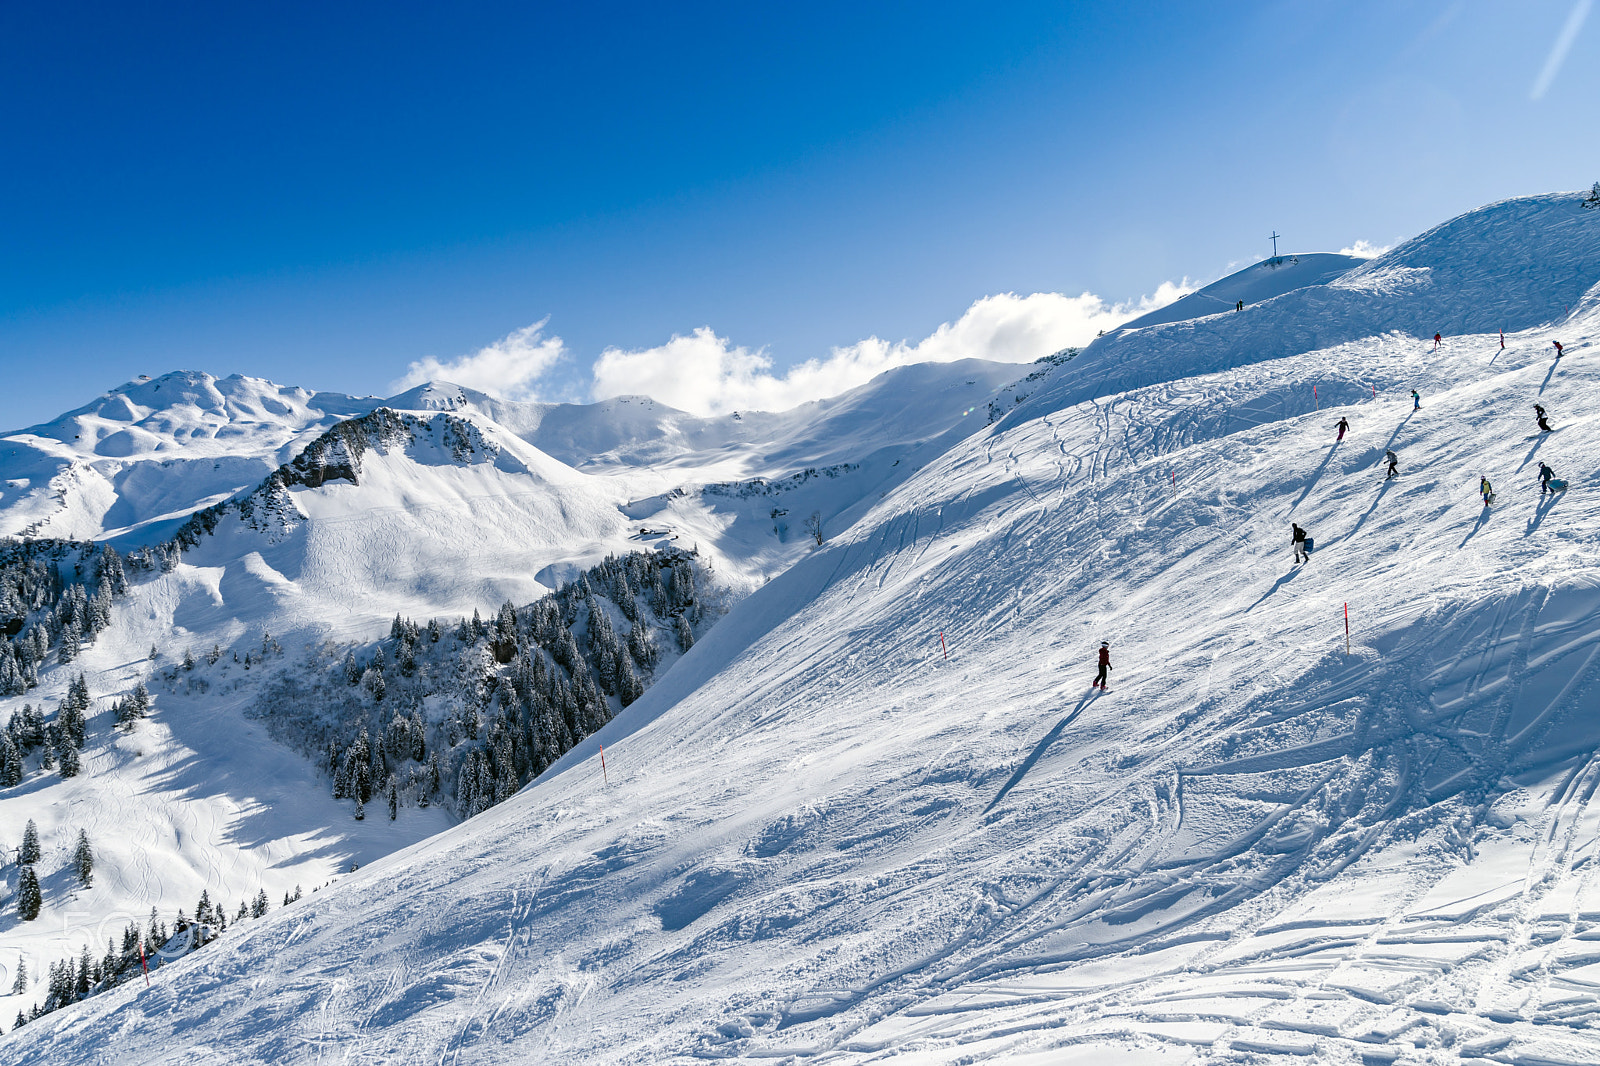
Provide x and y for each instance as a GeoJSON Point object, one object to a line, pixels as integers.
{"type": "Point", "coordinates": [1105, 664]}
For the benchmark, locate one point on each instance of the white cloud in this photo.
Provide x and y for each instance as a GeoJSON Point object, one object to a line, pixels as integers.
{"type": "Point", "coordinates": [510, 368]}
{"type": "Point", "coordinates": [1364, 250]}
{"type": "Point", "coordinates": [707, 374]}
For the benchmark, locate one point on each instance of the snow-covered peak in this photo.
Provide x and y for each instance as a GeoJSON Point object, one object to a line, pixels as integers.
{"type": "Point", "coordinates": [1261, 281]}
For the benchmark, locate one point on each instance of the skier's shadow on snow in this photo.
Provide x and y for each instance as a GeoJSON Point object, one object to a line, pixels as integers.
{"type": "Point", "coordinates": [1548, 374]}
{"type": "Point", "coordinates": [1377, 500]}
{"type": "Point", "coordinates": [1276, 585]}
{"type": "Point", "coordinates": [1537, 444]}
{"type": "Point", "coordinates": [1483, 520]}
{"type": "Point", "coordinates": [1545, 503]}
{"type": "Point", "coordinates": [1038, 752]}
{"type": "Point", "coordinates": [1326, 459]}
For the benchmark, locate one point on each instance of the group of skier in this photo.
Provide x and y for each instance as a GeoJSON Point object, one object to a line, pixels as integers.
{"type": "Point", "coordinates": [1303, 542]}
{"type": "Point", "coordinates": [1298, 537]}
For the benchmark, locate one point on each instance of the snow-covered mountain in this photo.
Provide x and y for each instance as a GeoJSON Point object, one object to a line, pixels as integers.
{"type": "Point", "coordinates": [274, 521]}
{"type": "Point", "coordinates": [875, 811]}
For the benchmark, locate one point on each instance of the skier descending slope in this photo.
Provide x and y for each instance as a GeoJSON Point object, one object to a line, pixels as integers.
{"type": "Point", "coordinates": [1105, 664]}
{"type": "Point", "coordinates": [1544, 425]}
{"type": "Point", "coordinates": [1437, 340]}
{"type": "Point", "coordinates": [1485, 490]}
{"type": "Point", "coordinates": [1416, 400]}
{"type": "Point", "coordinates": [1558, 348]}
{"type": "Point", "coordinates": [1341, 427]}
{"type": "Point", "coordinates": [1394, 464]}
{"type": "Point", "coordinates": [1299, 538]}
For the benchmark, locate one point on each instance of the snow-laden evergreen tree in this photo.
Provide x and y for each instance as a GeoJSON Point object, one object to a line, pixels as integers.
{"type": "Point", "coordinates": [1594, 197]}
{"type": "Point", "coordinates": [71, 636]}
{"type": "Point", "coordinates": [19, 987]}
{"type": "Point", "coordinates": [70, 763]}
{"type": "Point", "coordinates": [259, 906]}
{"type": "Point", "coordinates": [83, 860]}
{"type": "Point", "coordinates": [28, 853]}
{"type": "Point", "coordinates": [29, 898]}
{"type": "Point", "coordinates": [392, 794]}
{"type": "Point", "coordinates": [10, 762]}
{"type": "Point", "coordinates": [188, 659]}
{"type": "Point", "coordinates": [113, 576]}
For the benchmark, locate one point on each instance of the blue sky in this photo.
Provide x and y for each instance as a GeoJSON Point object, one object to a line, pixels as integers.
{"type": "Point", "coordinates": [328, 194]}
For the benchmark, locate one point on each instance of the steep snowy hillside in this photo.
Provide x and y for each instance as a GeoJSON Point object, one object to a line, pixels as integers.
{"type": "Point", "coordinates": [822, 837]}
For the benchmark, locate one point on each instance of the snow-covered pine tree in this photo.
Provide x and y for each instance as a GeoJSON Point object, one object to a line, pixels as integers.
{"type": "Point", "coordinates": [1594, 197]}
{"type": "Point", "coordinates": [259, 906]}
{"type": "Point", "coordinates": [71, 636]}
{"type": "Point", "coordinates": [29, 898]}
{"type": "Point", "coordinates": [10, 762]}
{"type": "Point", "coordinates": [28, 853]}
{"type": "Point", "coordinates": [70, 763]}
{"type": "Point", "coordinates": [83, 860]}
{"type": "Point", "coordinates": [392, 793]}
{"type": "Point", "coordinates": [19, 987]}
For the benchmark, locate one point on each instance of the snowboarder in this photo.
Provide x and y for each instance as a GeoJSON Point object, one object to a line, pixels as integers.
{"type": "Point", "coordinates": [1538, 412]}
{"type": "Point", "coordinates": [1545, 474]}
{"type": "Point", "coordinates": [1416, 400]}
{"type": "Point", "coordinates": [1239, 306]}
{"type": "Point", "coordinates": [1105, 664]}
{"type": "Point", "coordinates": [1341, 427]}
{"type": "Point", "coordinates": [1558, 348]}
{"type": "Point", "coordinates": [1394, 464]}
{"type": "Point", "coordinates": [1436, 341]}
{"type": "Point", "coordinates": [1299, 539]}
{"type": "Point", "coordinates": [1485, 490]}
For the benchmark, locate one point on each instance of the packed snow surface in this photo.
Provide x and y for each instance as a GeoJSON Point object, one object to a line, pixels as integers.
{"type": "Point", "coordinates": [877, 812]}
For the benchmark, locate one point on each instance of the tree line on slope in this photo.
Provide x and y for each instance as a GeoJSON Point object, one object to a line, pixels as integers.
{"type": "Point", "coordinates": [467, 712]}
{"type": "Point", "coordinates": [46, 604]}
{"type": "Point", "coordinates": [78, 977]}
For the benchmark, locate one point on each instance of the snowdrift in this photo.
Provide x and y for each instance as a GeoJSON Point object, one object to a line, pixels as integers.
{"type": "Point", "coordinates": [822, 836]}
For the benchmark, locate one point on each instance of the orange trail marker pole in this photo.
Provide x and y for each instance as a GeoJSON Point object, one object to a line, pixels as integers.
{"type": "Point", "coordinates": [603, 765]}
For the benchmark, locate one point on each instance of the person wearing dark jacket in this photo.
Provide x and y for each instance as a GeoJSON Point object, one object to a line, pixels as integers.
{"type": "Point", "coordinates": [1538, 412]}
{"type": "Point", "coordinates": [1394, 464]}
{"type": "Point", "coordinates": [1298, 537]}
{"type": "Point", "coordinates": [1105, 664]}
{"type": "Point", "coordinates": [1341, 427]}
{"type": "Point", "coordinates": [1545, 474]}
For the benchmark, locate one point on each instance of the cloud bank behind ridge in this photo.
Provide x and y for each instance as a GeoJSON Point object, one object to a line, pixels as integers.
{"type": "Point", "coordinates": [706, 374]}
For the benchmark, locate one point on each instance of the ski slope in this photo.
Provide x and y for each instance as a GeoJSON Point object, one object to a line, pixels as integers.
{"type": "Point", "coordinates": [819, 839]}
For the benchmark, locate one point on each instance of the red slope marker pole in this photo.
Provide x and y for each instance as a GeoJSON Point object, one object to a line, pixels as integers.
{"type": "Point", "coordinates": [603, 765]}
{"type": "Point", "coordinates": [142, 964]}
{"type": "Point", "coordinates": [1314, 399]}
{"type": "Point", "coordinates": [942, 646]}
{"type": "Point", "coordinates": [1347, 629]}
